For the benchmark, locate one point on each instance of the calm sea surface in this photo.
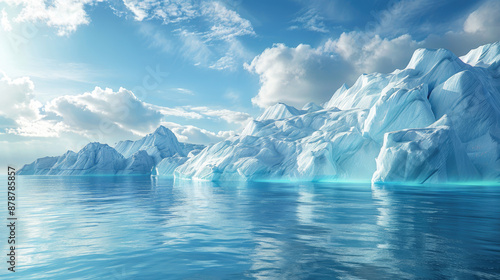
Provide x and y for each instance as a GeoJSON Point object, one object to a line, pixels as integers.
{"type": "Point", "coordinates": [143, 228]}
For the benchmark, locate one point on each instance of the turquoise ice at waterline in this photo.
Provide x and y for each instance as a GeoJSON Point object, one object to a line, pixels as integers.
{"type": "Point", "coordinates": [138, 227]}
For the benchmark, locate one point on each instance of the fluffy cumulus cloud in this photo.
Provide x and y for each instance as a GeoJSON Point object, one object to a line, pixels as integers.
{"type": "Point", "coordinates": [65, 15]}
{"type": "Point", "coordinates": [480, 27]}
{"type": "Point", "coordinates": [105, 111]}
{"type": "Point", "coordinates": [372, 53]}
{"type": "Point", "coordinates": [16, 100]}
{"type": "Point", "coordinates": [20, 111]}
{"type": "Point", "coordinates": [484, 20]}
{"type": "Point", "coordinates": [101, 115]}
{"type": "Point", "coordinates": [297, 75]}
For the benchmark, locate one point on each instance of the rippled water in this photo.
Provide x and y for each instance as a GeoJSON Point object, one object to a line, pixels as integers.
{"type": "Point", "coordinates": [138, 228]}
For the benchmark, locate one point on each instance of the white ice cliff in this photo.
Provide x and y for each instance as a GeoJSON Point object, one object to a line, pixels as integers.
{"type": "Point", "coordinates": [437, 120]}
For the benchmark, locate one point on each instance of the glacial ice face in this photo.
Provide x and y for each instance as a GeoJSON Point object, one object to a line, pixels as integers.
{"type": "Point", "coordinates": [472, 107]}
{"type": "Point", "coordinates": [40, 166]}
{"type": "Point", "coordinates": [437, 120]}
{"type": "Point", "coordinates": [399, 109]}
{"type": "Point", "coordinates": [297, 148]}
{"type": "Point", "coordinates": [138, 163]}
{"type": "Point", "coordinates": [167, 166]}
{"type": "Point", "coordinates": [426, 155]}
{"type": "Point", "coordinates": [483, 56]}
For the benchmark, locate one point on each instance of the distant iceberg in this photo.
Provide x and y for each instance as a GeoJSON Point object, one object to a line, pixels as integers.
{"type": "Point", "coordinates": [437, 120]}
{"type": "Point", "coordinates": [158, 153]}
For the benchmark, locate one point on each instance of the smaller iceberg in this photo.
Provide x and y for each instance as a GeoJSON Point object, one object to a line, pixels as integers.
{"type": "Point", "coordinates": [156, 153]}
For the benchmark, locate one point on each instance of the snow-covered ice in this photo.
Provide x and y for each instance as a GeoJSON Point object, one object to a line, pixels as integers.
{"type": "Point", "coordinates": [158, 151]}
{"type": "Point", "coordinates": [437, 120]}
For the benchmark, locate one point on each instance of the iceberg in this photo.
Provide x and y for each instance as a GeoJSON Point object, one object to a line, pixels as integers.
{"type": "Point", "coordinates": [160, 144]}
{"type": "Point", "coordinates": [158, 151]}
{"type": "Point", "coordinates": [94, 158]}
{"type": "Point", "coordinates": [437, 120]}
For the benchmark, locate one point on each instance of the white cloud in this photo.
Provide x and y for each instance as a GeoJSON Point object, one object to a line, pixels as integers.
{"type": "Point", "coordinates": [372, 53]}
{"type": "Point", "coordinates": [170, 11]}
{"type": "Point", "coordinates": [38, 128]}
{"type": "Point", "coordinates": [18, 103]}
{"type": "Point", "coordinates": [484, 19]}
{"type": "Point", "coordinates": [177, 112]}
{"type": "Point", "coordinates": [184, 91]}
{"type": "Point", "coordinates": [480, 27]}
{"type": "Point", "coordinates": [17, 99]}
{"type": "Point", "coordinates": [196, 135]}
{"type": "Point", "coordinates": [296, 75]}
{"type": "Point", "coordinates": [235, 54]}
{"type": "Point", "coordinates": [205, 32]}
{"type": "Point", "coordinates": [100, 115]}
{"type": "Point", "coordinates": [156, 37]}
{"type": "Point", "coordinates": [404, 15]}
{"type": "Point", "coordinates": [312, 21]}
{"type": "Point", "coordinates": [65, 15]}
{"type": "Point", "coordinates": [210, 41]}
{"type": "Point", "coordinates": [5, 22]}
{"type": "Point", "coordinates": [224, 114]}
{"type": "Point", "coordinates": [195, 48]}
{"type": "Point", "coordinates": [105, 111]}
{"type": "Point", "coordinates": [227, 23]}
{"type": "Point", "coordinates": [223, 23]}
{"type": "Point", "coordinates": [138, 8]}
{"type": "Point", "coordinates": [299, 75]}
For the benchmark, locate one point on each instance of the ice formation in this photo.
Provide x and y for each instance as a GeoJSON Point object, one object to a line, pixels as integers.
{"type": "Point", "coordinates": [158, 152]}
{"type": "Point", "coordinates": [437, 120]}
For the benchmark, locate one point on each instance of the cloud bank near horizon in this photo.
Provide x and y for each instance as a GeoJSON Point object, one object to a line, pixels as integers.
{"type": "Point", "coordinates": [103, 115]}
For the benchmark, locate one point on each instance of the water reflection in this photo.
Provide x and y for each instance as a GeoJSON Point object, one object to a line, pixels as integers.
{"type": "Point", "coordinates": [138, 227]}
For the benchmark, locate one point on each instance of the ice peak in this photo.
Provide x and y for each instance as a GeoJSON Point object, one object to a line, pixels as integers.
{"type": "Point", "coordinates": [426, 59]}
{"type": "Point", "coordinates": [94, 146]}
{"type": "Point", "coordinates": [331, 103]}
{"type": "Point", "coordinates": [343, 88]}
{"type": "Point", "coordinates": [161, 130]}
{"type": "Point", "coordinates": [279, 111]}
{"type": "Point", "coordinates": [483, 56]}
{"type": "Point", "coordinates": [311, 107]}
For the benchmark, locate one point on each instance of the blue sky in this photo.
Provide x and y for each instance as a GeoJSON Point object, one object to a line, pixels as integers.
{"type": "Point", "coordinates": [93, 70]}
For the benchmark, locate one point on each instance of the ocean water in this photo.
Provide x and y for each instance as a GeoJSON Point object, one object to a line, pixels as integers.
{"type": "Point", "coordinates": [144, 228]}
